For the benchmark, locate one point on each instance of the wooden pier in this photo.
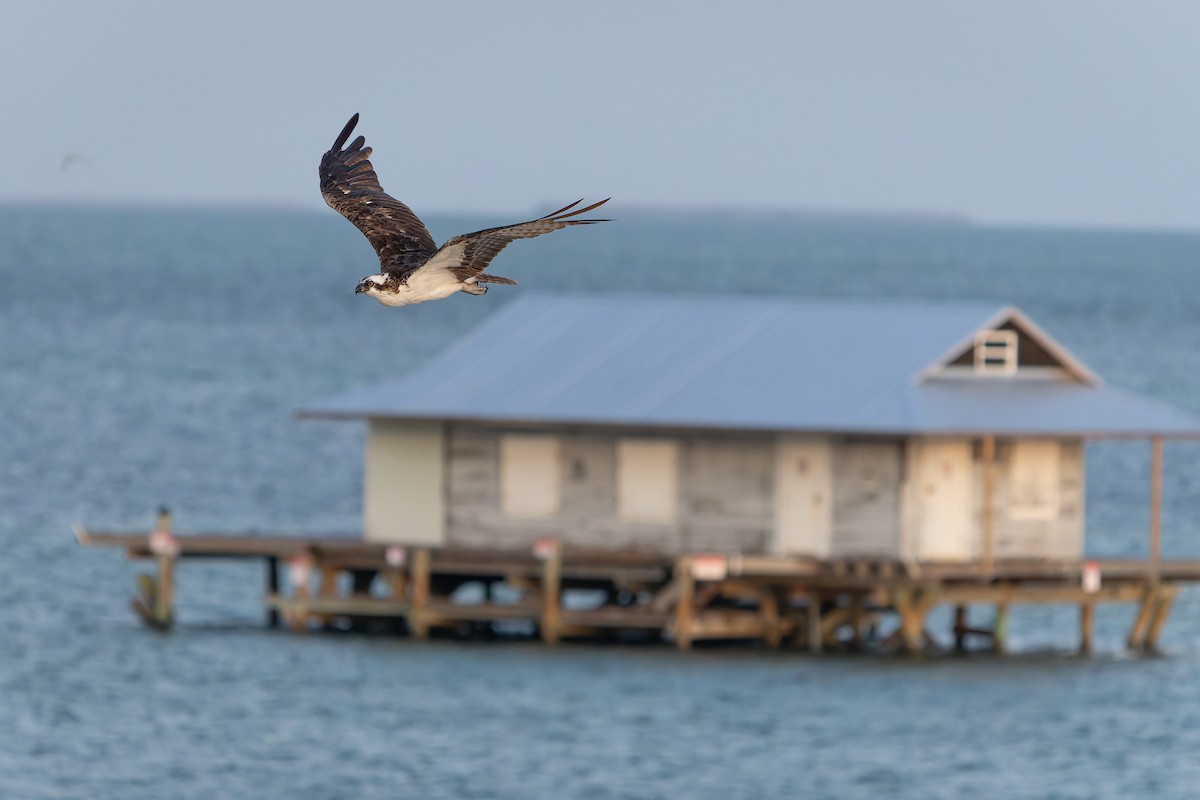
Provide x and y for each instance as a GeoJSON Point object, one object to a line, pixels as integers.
{"type": "Point", "coordinates": [561, 591]}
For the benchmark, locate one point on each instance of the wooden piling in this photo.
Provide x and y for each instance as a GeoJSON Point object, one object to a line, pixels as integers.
{"type": "Point", "coordinates": [551, 592]}
{"type": "Point", "coordinates": [960, 628]}
{"type": "Point", "coordinates": [1087, 616]}
{"type": "Point", "coordinates": [772, 624]}
{"type": "Point", "coordinates": [328, 584]}
{"type": "Point", "coordinates": [1166, 597]}
{"type": "Point", "coordinates": [164, 596]}
{"type": "Point", "coordinates": [1156, 469]}
{"type": "Point", "coordinates": [299, 570]}
{"type": "Point", "coordinates": [814, 634]}
{"type": "Point", "coordinates": [858, 616]}
{"type": "Point", "coordinates": [155, 604]}
{"type": "Point", "coordinates": [327, 589]}
{"type": "Point", "coordinates": [271, 569]}
{"type": "Point", "coordinates": [418, 623]}
{"type": "Point", "coordinates": [685, 612]}
{"type": "Point", "coordinates": [912, 606]}
{"type": "Point", "coordinates": [396, 582]}
{"type": "Point", "coordinates": [1000, 628]}
{"type": "Point", "coordinates": [1141, 622]}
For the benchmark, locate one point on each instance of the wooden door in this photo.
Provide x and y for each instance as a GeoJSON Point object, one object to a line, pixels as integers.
{"type": "Point", "coordinates": [942, 475]}
{"type": "Point", "coordinates": [803, 497]}
{"type": "Point", "coordinates": [404, 488]}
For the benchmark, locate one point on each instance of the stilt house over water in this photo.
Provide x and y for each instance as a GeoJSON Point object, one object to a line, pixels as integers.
{"type": "Point", "coordinates": [916, 431]}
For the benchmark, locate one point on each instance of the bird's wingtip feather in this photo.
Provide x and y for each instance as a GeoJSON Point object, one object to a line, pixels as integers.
{"type": "Point", "coordinates": [558, 215]}
{"type": "Point", "coordinates": [345, 134]}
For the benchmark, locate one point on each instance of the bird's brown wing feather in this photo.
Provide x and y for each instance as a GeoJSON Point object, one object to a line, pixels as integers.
{"type": "Point", "coordinates": [351, 188]}
{"type": "Point", "coordinates": [481, 247]}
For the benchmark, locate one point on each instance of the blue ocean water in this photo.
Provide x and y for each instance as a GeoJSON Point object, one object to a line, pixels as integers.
{"type": "Point", "coordinates": [156, 357]}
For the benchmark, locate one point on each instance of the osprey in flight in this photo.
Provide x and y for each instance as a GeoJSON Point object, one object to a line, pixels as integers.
{"type": "Point", "coordinates": [413, 268]}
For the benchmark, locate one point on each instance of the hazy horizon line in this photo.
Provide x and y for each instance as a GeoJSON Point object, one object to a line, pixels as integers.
{"type": "Point", "coordinates": [833, 214]}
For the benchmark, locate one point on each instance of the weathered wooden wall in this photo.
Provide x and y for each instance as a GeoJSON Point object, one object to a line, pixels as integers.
{"type": "Point", "coordinates": [1037, 503]}
{"type": "Point", "coordinates": [1056, 537]}
{"type": "Point", "coordinates": [726, 502]}
{"type": "Point", "coordinates": [866, 498]}
{"type": "Point", "coordinates": [726, 490]}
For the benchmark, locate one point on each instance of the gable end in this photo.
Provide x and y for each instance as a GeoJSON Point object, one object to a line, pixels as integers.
{"type": "Point", "coordinates": [1036, 353]}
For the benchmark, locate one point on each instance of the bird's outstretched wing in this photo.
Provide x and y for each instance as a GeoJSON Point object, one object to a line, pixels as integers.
{"type": "Point", "coordinates": [469, 254]}
{"type": "Point", "coordinates": [351, 188]}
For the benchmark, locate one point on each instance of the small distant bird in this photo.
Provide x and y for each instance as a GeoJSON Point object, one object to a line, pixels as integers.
{"type": "Point", "coordinates": [413, 268]}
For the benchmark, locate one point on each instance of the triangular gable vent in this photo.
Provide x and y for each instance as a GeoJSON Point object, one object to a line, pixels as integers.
{"type": "Point", "coordinates": [1008, 345]}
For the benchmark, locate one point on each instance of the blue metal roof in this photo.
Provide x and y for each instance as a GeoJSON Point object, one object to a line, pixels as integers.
{"type": "Point", "coordinates": [744, 363]}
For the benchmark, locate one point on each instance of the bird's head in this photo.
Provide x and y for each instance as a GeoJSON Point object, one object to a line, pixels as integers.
{"type": "Point", "coordinates": [369, 283]}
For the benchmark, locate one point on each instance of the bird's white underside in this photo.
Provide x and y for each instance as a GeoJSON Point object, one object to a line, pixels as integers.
{"type": "Point", "coordinates": [433, 281]}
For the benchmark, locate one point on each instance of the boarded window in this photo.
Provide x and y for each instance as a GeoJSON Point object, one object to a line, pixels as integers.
{"type": "Point", "coordinates": [1034, 480]}
{"type": "Point", "coordinates": [647, 480]}
{"type": "Point", "coordinates": [530, 482]}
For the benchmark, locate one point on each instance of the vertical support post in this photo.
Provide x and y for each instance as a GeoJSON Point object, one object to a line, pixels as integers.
{"type": "Point", "coordinates": [1141, 623]}
{"type": "Point", "coordinates": [165, 548]}
{"type": "Point", "coordinates": [1166, 597]}
{"type": "Point", "coordinates": [165, 596]}
{"type": "Point", "coordinates": [1000, 628]}
{"type": "Point", "coordinates": [816, 639]}
{"type": "Point", "coordinates": [769, 606]}
{"type": "Point", "coordinates": [394, 579]}
{"type": "Point", "coordinates": [551, 591]}
{"type": "Point", "coordinates": [300, 570]}
{"type": "Point", "coordinates": [1156, 468]}
{"type": "Point", "coordinates": [271, 567]}
{"type": "Point", "coordinates": [858, 614]}
{"type": "Point", "coordinates": [392, 574]}
{"type": "Point", "coordinates": [328, 585]}
{"type": "Point", "coordinates": [901, 601]}
{"type": "Point", "coordinates": [912, 605]}
{"type": "Point", "coordinates": [326, 588]}
{"type": "Point", "coordinates": [1087, 616]}
{"type": "Point", "coordinates": [987, 454]}
{"type": "Point", "coordinates": [685, 611]}
{"type": "Point", "coordinates": [418, 622]}
{"type": "Point", "coordinates": [960, 628]}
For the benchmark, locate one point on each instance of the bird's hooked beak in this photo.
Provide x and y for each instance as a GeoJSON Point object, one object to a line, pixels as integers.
{"type": "Point", "coordinates": [363, 285]}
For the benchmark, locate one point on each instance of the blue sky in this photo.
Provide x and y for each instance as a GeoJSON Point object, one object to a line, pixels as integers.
{"type": "Point", "coordinates": [1064, 113]}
